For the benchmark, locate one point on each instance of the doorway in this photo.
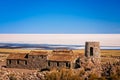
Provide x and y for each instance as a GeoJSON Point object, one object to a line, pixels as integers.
{"type": "Point", "coordinates": [91, 51]}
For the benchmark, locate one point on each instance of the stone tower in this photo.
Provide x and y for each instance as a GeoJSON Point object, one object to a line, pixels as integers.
{"type": "Point", "coordinates": [92, 49]}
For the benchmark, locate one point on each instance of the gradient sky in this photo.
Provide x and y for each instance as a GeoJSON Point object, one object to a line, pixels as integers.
{"type": "Point", "coordinates": [60, 16]}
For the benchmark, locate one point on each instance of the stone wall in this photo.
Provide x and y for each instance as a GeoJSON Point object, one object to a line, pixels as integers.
{"type": "Point", "coordinates": [59, 64]}
{"type": "Point", "coordinates": [32, 62]}
{"type": "Point", "coordinates": [37, 61]}
{"type": "Point", "coordinates": [17, 63]}
{"type": "Point", "coordinates": [92, 49]}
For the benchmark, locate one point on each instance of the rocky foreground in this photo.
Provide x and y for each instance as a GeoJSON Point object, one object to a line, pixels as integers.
{"type": "Point", "coordinates": [18, 75]}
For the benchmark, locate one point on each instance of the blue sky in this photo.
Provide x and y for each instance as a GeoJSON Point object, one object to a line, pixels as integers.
{"type": "Point", "coordinates": [60, 16]}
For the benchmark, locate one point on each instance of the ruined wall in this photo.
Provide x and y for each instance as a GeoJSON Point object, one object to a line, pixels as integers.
{"type": "Point", "coordinates": [32, 62]}
{"type": "Point", "coordinates": [16, 63]}
{"type": "Point", "coordinates": [92, 49]}
{"type": "Point", "coordinates": [59, 64]}
{"type": "Point", "coordinates": [37, 61]}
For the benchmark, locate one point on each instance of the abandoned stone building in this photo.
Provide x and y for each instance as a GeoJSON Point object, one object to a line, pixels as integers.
{"type": "Point", "coordinates": [59, 58]}
{"type": "Point", "coordinates": [62, 58]}
{"type": "Point", "coordinates": [92, 49]}
{"type": "Point", "coordinates": [32, 60]}
{"type": "Point", "coordinates": [17, 60]}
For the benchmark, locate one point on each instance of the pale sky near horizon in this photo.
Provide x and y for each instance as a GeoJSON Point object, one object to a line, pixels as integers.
{"type": "Point", "coordinates": [69, 39]}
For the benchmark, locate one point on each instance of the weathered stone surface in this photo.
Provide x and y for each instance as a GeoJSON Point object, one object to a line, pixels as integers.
{"type": "Point", "coordinates": [13, 75]}
{"type": "Point", "coordinates": [31, 62]}
{"type": "Point", "coordinates": [92, 49]}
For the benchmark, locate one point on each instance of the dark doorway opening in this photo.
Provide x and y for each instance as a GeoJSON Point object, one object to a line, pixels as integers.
{"type": "Point", "coordinates": [17, 61]}
{"type": "Point", "coordinates": [91, 51]}
{"type": "Point", "coordinates": [68, 64]}
{"type": "Point", "coordinates": [48, 63]}
{"type": "Point", "coordinates": [77, 63]}
{"type": "Point", "coordinates": [45, 69]}
{"type": "Point", "coordinates": [25, 62]}
{"type": "Point", "coordinates": [58, 64]}
{"type": "Point", "coordinates": [9, 61]}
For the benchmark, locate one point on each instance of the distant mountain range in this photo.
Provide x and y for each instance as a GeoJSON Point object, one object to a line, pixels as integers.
{"type": "Point", "coordinates": [48, 46]}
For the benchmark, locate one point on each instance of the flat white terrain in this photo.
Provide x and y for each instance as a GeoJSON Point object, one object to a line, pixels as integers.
{"type": "Point", "coordinates": [76, 39]}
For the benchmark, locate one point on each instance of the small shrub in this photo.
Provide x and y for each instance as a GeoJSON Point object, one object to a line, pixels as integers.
{"type": "Point", "coordinates": [63, 74]}
{"type": "Point", "coordinates": [12, 77]}
{"type": "Point", "coordinates": [93, 77]}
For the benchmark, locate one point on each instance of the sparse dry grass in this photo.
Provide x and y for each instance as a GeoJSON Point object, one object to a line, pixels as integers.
{"type": "Point", "coordinates": [110, 52]}
{"type": "Point", "coordinates": [3, 56]}
{"type": "Point", "coordinates": [64, 74]}
{"type": "Point", "coordinates": [78, 51]}
{"type": "Point", "coordinates": [103, 52]}
{"type": "Point", "coordinates": [15, 50]}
